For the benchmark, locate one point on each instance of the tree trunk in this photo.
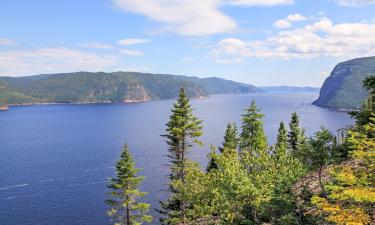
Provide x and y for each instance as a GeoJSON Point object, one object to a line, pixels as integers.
{"type": "Point", "coordinates": [183, 178]}
{"type": "Point", "coordinates": [324, 194]}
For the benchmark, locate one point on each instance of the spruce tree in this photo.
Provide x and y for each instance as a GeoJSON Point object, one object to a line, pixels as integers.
{"type": "Point", "coordinates": [282, 139]}
{"type": "Point", "coordinates": [212, 160]}
{"type": "Point", "coordinates": [296, 137]}
{"type": "Point", "coordinates": [183, 130]}
{"type": "Point", "coordinates": [253, 137]}
{"type": "Point", "coordinates": [230, 138]}
{"type": "Point", "coordinates": [125, 208]}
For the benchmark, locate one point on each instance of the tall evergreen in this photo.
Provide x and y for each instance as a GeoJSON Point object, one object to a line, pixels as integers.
{"type": "Point", "coordinates": [282, 139]}
{"type": "Point", "coordinates": [253, 137]}
{"type": "Point", "coordinates": [230, 138]}
{"type": "Point", "coordinates": [296, 136]}
{"type": "Point", "coordinates": [183, 130]}
{"type": "Point", "coordinates": [125, 207]}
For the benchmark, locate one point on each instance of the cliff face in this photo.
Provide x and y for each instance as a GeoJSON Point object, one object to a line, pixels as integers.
{"type": "Point", "coordinates": [136, 93]}
{"type": "Point", "coordinates": [85, 87]}
{"type": "Point", "coordinates": [343, 88]}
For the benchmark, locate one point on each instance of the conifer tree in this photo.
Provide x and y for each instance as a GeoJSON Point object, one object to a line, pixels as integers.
{"type": "Point", "coordinates": [296, 137]}
{"type": "Point", "coordinates": [212, 160]}
{"type": "Point", "coordinates": [282, 140]}
{"type": "Point", "coordinates": [125, 207]}
{"type": "Point", "coordinates": [230, 138]}
{"type": "Point", "coordinates": [183, 130]}
{"type": "Point", "coordinates": [253, 137]}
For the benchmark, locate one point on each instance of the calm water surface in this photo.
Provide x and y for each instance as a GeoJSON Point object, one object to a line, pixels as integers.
{"type": "Point", "coordinates": [55, 159]}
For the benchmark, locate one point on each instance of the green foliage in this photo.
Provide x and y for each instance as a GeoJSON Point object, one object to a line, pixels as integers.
{"type": "Point", "coordinates": [125, 208]}
{"type": "Point", "coordinates": [253, 137]}
{"type": "Point", "coordinates": [231, 139]}
{"type": "Point", "coordinates": [296, 137]}
{"type": "Point", "coordinates": [323, 145]}
{"type": "Point", "coordinates": [363, 115]}
{"type": "Point", "coordinates": [351, 193]}
{"type": "Point", "coordinates": [281, 145]}
{"type": "Point", "coordinates": [251, 187]}
{"type": "Point", "coordinates": [183, 130]}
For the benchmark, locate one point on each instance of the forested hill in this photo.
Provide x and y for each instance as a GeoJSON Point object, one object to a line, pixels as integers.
{"type": "Point", "coordinates": [343, 88]}
{"type": "Point", "coordinates": [86, 87]}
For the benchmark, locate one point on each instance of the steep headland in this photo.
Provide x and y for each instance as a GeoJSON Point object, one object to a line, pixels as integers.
{"type": "Point", "coordinates": [343, 88]}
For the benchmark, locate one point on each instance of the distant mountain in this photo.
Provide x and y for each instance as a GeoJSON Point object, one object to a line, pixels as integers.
{"type": "Point", "coordinates": [343, 88]}
{"type": "Point", "coordinates": [289, 89]}
{"type": "Point", "coordinates": [86, 87]}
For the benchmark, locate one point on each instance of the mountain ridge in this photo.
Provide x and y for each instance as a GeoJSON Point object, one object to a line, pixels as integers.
{"type": "Point", "coordinates": [101, 87]}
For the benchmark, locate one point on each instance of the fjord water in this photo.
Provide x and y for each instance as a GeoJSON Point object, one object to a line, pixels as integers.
{"type": "Point", "coordinates": [55, 159]}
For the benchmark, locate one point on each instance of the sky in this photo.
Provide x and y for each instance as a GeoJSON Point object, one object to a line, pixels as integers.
{"type": "Point", "coordinates": [261, 42]}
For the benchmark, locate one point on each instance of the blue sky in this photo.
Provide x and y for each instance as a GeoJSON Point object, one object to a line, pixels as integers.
{"type": "Point", "coordinates": [263, 42]}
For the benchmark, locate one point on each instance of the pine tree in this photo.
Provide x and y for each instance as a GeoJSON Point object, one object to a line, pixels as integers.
{"type": "Point", "coordinates": [253, 137]}
{"type": "Point", "coordinates": [125, 208]}
{"type": "Point", "coordinates": [230, 138]}
{"type": "Point", "coordinates": [282, 140]}
{"type": "Point", "coordinates": [212, 158]}
{"type": "Point", "coordinates": [296, 137]}
{"type": "Point", "coordinates": [183, 130]}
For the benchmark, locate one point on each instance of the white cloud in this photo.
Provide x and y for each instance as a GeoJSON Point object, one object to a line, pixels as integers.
{"type": "Point", "coordinates": [231, 46]}
{"type": "Point", "coordinates": [322, 38]}
{"type": "Point", "coordinates": [52, 60]}
{"type": "Point", "coordinates": [7, 42]}
{"type": "Point", "coordinates": [191, 17]}
{"type": "Point", "coordinates": [133, 41]}
{"type": "Point", "coordinates": [96, 45]}
{"type": "Point", "coordinates": [287, 22]}
{"type": "Point", "coordinates": [295, 18]}
{"type": "Point", "coordinates": [354, 2]}
{"type": "Point", "coordinates": [282, 24]}
{"type": "Point", "coordinates": [131, 52]}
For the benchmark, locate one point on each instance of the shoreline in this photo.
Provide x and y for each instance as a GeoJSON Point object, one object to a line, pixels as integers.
{"type": "Point", "coordinates": [96, 103]}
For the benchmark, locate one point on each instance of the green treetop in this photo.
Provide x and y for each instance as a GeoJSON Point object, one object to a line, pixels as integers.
{"type": "Point", "coordinates": [296, 136]}
{"type": "Point", "coordinates": [253, 137]}
{"type": "Point", "coordinates": [282, 139]}
{"type": "Point", "coordinates": [323, 145]}
{"type": "Point", "coordinates": [230, 138]}
{"type": "Point", "coordinates": [183, 130]}
{"type": "Point", "coordinates": [125, 208]}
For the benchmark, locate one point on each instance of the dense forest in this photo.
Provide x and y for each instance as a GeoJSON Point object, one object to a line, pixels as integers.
{"type": "Point", "coordinates": [86, 87]}
{"type": "Point", "coordinates": [323, 179]}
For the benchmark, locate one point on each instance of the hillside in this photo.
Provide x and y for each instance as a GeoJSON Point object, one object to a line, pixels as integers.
{"type": "Point", "coordinates": [85, 87]}
{"type": "Point", "coordinates": [343, 88]}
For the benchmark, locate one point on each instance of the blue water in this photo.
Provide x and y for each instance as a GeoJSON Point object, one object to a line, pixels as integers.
{"type": "Point", "coordinates": [55, 159]}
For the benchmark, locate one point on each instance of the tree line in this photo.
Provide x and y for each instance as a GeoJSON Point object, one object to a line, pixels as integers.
{"type": "Point", "coordinates": [323, 179]}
